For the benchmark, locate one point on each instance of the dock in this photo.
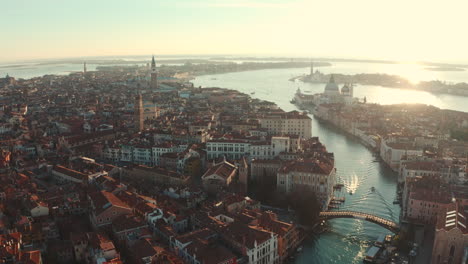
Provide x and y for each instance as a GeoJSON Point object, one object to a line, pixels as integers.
{"type": "Point", "coordinates": [335, 202]}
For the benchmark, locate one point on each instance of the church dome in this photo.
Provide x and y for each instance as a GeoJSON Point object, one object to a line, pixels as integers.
{"type": "Point", "coordinates": [345, 89]}
{"type": "Point", "coordinates": [332, 87]}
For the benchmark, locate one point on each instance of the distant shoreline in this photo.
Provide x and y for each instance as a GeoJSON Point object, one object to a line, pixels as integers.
{"type": "Point", "coordinates": [389, 81]}
{"type": "Point", "coordinates": [138, 59]}
{"type": "Point", "coordinates": [444, 69]}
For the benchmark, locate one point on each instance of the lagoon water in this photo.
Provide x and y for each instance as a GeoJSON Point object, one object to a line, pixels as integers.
{"type": "Point", "coordinates": [347, 239]}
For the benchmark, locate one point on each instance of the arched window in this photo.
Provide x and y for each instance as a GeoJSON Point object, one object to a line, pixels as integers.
{"type": "Point", "coordinates": [452, 252]}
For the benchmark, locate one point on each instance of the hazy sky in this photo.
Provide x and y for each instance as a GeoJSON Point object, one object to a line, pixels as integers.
{"type": "Point", "coordinates": [431, 30]}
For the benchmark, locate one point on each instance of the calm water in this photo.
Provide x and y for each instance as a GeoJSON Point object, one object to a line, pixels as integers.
{"type": "Point", "coordinates": [347, 240]}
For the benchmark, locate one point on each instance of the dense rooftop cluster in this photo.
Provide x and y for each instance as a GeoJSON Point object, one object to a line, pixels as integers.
{"type": "Point", "coordinates": [82, 181]}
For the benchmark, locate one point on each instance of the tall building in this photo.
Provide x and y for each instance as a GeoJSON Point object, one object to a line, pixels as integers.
{"type": "Point", "coordinates": [154, 75]}
{"type": "Point", "coordinates": [311, 68]}
{"type": "Point", "coordinates": [139, 125]}
{"type": "Point", "coordinates": [84, 68]}
{"type": "Point", "coordinates": [287, 123]}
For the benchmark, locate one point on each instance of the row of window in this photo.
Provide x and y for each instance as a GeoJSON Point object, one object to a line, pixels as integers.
{"type": "Point", "coordinates": [231, 149]}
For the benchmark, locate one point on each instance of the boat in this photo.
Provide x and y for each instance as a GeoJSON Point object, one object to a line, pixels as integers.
{"type": "Point", "coordinates": [299, 249]}
{"type": "Point", "coordinates": [350, 192]}
{"type": "Point", "coordinates": [372, 255]}
{"type": "Point", "coordinates": [396, 201]}
{"type": "Point", "coordinates": [252, 93]}
{"type": "Point", "coordinates": [214, 79]}
{"type": "Point", "coordinates": [380, 242]}
{"type": "Point", "coordinates": [372, 189]}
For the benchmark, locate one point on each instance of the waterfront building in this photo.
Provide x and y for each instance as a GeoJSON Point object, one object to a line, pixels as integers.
{"type": "Point", "coordinates": [423, 198]}
{"type": "Point", "coordinates": [303, 100]}
{"type": "Point", "coordinates": [451, 171]}
{"type": "Point", "coordinates": [317, 175]}
{"type": "Point", "coordinates": [392, 149]}
{"type": "Point", "coordinates": [331, 95]}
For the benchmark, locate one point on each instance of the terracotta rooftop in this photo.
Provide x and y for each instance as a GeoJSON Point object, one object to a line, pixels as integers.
{"type": "Point", "coordinates": [223, 169]}
{"type": "Point", "coordinates": [69, 172]}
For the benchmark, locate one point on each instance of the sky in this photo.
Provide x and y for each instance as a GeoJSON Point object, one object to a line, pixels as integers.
{"type": "Point", "coordinates": [404, 30]}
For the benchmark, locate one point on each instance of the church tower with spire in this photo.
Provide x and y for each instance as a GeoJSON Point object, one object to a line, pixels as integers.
{"type": "Point", "coordinates": [311, 68]}
{"type": "Point", "coordinates": [138, 108]}
{"type": "Point", "coordinates": [154, 75]}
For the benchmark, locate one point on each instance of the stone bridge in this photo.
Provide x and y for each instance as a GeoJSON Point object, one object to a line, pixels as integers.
{"type": "Point", "coordinates": [390, 225]}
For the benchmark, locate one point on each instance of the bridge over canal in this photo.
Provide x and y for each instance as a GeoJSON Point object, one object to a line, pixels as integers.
{"type": "Point", "coordinates": [390, 225]}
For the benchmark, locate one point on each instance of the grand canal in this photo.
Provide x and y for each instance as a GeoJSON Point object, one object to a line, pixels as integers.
{"type": "Point", "coordinates": [346, 240]}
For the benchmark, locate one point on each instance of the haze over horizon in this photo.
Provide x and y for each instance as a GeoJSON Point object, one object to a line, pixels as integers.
{"type": "Point", "coordinates": [363, 29]}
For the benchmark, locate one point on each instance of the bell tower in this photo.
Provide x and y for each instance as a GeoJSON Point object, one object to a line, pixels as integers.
{"type": "Point", "coordinates": [138, 108]}
{"type": "Point", "coordinates": [154, 75]}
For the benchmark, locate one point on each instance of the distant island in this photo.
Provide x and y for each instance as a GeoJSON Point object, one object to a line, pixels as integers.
{"type": "Point", "coordinates": [444, 69]}
{"type": "Point", "coordinates": [387, 80]}
{"type": "Point", "coordinates": [197, 69]}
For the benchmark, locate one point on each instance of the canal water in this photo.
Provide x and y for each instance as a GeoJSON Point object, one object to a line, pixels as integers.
{"type": "Point", "coordinates": [347, 240]}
